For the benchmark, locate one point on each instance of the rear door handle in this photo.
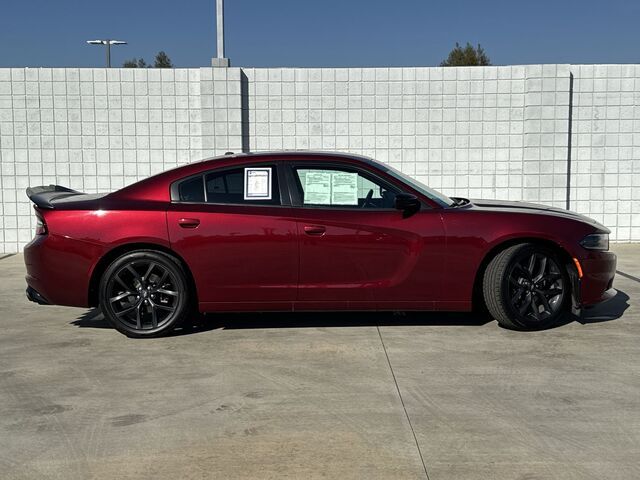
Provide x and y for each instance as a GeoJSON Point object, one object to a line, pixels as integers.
{"type": "Point", "coordinates": [189, 222]}
{"type": "Point", "coordinates": [314, 230]}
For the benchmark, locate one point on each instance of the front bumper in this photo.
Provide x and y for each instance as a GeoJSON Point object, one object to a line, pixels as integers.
{"type": "Point", "coordinates": [608, 295]}
{"type": "Point", "coordinates": [596, 284]}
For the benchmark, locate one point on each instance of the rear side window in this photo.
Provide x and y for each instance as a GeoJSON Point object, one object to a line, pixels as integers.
{"type": "Point", "coordinates": [191, 190]}
{"type": "Point", "coordinates": [245, 185]}
{"type": "Point", "coordinates": [225, 187]}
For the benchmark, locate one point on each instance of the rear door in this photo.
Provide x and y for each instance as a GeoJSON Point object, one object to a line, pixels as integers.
{"type": "Point", "coordinates": [356, 250]}
{"type": "Point", "coordinates": [233, 227]}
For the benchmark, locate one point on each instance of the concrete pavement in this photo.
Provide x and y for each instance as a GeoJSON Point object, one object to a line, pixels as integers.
{"type": "Point", "coordinates": [320, 396]}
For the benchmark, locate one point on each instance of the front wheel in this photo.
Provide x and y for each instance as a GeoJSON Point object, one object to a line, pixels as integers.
{"type": "Point", "coordinates": [144, 293]}
{"type": "Point", "coordinates": [526, 288]}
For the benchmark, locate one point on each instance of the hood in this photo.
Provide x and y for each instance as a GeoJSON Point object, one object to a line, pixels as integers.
{"type": "Point", "coordinates": [525, 207]}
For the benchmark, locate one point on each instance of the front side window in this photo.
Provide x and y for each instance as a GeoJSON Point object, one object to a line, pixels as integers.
{"type": "Point", "coordinates": [334, 187]}
{"type": "Point", "coordinates": [245, 185]}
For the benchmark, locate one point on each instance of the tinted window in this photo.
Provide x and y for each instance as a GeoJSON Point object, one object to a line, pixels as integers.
{"type": "Point", "coordinates": [191, 190]}
{"type": "Point", "coordinates": [229, 186]}
{"type": "Point", "coordinates": [440, 198]}
{"type": "Point", "coordinates": [343, 189]}
{"type": "Point", "coordinates": [225, 187]}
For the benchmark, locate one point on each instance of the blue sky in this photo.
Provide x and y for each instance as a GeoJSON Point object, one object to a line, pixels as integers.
{"type": "Point", "coordinates": [320, 32]}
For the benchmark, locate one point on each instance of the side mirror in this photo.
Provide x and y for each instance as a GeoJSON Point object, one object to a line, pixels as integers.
{"type": "Point", "coordinates": [407, 203]}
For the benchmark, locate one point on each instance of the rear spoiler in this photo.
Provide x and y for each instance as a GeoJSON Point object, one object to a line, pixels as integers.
{"type": "Point", "coordinates": [46, 195]}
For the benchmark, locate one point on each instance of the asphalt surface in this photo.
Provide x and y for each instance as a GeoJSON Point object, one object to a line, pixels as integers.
{"type": "Point", "coordinates": [320, 396]}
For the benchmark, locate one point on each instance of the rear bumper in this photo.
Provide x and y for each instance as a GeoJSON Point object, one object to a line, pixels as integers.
{"type": "Point", "coordinates": [34, 296]}
{"type": "Point", "coordinates": [58, 270]}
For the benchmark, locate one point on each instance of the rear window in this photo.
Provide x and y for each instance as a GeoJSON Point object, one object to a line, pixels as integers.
{"type": "Point", "coordinates": [226, 187]}
{"type": "Point", "coordinates": [191, 190]}
{"type": "Point", "coordinates": [245, 185]}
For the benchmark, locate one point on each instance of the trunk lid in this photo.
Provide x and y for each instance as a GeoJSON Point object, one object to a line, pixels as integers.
{"type": "Point", "coordinates": [56, 196]}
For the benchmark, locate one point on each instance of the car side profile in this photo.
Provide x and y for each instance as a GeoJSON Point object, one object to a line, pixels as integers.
{"type": "Point", "coordinates": [308, 231]}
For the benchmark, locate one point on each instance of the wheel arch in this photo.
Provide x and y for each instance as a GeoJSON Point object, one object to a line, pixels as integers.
{"type": "Point", "coordinates": [119, 250]}
{"type": "Point", "coordinates": [478, 303]}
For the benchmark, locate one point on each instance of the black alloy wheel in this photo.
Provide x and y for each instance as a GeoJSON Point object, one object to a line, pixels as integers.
{"type": "Point", "coordinates": [536, 287]}
{"type": "Point", "coordinates": [144, 293]}
{"type": "Point", "coordinates": [526, 287]}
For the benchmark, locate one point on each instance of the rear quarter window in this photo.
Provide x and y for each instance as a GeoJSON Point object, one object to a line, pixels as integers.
{"type": "Point", "coordinates": [191, 190]}
{"type": "Point", "coordinates": [226, 187]}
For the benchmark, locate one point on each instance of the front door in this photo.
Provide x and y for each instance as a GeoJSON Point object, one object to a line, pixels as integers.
{"type": "Point", "coordinates": [356, 250]}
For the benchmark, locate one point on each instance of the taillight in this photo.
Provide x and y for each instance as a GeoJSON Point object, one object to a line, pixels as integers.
{"type": "Point", "coordinates": [41, 226]}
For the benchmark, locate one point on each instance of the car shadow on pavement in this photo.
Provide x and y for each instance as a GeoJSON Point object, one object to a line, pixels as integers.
{"type": "Point", "coordinates": [607, 311]}
{"type": "Point", "coordinates": [92, 318]}
{"type": "Point", "coordinates": [611, 310]}
{"type": "Point", "coordinates": [205, 322]}
{"type": "Point", "coordinates": [345, 319]}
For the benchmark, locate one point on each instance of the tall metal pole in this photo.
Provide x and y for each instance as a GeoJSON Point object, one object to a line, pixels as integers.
{"type": "Point", "coordinates": [107, 44]}
{"type": "Point", "coordinates": [220, 60]}
{"type": "Point", "coordinates": [220, 27]}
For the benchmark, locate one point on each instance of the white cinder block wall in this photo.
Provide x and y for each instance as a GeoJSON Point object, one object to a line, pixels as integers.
{"type": "Point", "coordinates": [492, 132]}
{"type": "Point", "coordinates": [97, 130]}
{"type": "Point", "coordinates": [605, 163]}
{"type": "Point", "coordinates": [475, 132]}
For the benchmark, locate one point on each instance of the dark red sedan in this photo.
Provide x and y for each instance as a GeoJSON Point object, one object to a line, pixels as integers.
{"type": "Point", "coordinates": [302, 231]}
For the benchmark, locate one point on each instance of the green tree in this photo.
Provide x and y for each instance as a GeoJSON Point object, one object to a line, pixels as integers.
{"type": "Point", "coordinates": [466, 56]}
{"type": "Point", "coordinates": [162, 60]}
{"type": "Point", "coordinates": [135, 63]}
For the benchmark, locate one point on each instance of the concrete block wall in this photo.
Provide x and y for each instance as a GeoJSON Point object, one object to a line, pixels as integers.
{"type": "Point", "coordinates": [97, 130]}
{"type": "Point", "coordinates": [221, 111]}
{"type": "Point", "coordinates": [492, 132]}
{"type": "Point", "coordinates": [605, 162]}
{"type": "Point", "coordinates": [475, 132]}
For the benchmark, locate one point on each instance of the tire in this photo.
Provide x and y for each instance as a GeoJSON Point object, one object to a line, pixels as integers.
{"type": "Point", "coordinates": [144, 293]}
{"type": "Point", "coordinates": [526, 287]}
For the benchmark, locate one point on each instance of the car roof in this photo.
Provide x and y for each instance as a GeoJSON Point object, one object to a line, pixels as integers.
{"type": "Point", "coordinates": [155, 187]}
{"type": "Point", "coordinates": [293, 155]}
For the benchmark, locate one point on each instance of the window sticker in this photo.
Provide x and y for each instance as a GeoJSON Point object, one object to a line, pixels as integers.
{"type": "Point", "coordinates": [344, 188]}
{"type": "Point", "coordinates": [317, 187]}
{"type": "Point", "coordinates": [257, 183]}
{"type": "Point", "coordinates": [327, 187]}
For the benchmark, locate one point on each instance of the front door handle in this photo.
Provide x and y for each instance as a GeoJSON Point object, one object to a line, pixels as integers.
{"type": "Point", "coordinates": [189, 222]}
{"type": "Point", "coordinates": [314, 230]}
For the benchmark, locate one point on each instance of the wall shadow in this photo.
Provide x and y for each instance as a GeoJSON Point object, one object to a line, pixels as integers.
{"type": "Point", "coordinates": [244, 96]}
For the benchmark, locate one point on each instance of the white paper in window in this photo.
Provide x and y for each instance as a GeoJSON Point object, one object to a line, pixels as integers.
{"type": "Point", "coordinates": [344, 188]}
{"type": "Point", "coordinates": [317, 187]}
{"type": "Point", "coordinates": [257, 183]}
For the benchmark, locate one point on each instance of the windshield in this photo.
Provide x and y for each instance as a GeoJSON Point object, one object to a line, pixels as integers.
{"type": "Point", "coordinates": [436, 196]}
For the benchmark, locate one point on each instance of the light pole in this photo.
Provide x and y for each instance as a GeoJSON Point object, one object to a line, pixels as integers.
{"type": "Point", "coordinates": [108, 44]}
{"type": "Point", "coordinates": [220, 60]}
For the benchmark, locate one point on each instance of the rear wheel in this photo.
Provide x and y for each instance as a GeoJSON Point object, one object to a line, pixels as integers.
{"type": "Point", "coordinates": [526, 287]}
{"type": "Point", "coordinates": [144, 293]}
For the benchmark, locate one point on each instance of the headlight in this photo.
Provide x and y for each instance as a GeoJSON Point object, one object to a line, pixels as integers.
{"type": "Point", "coordinates": [596, 241]}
